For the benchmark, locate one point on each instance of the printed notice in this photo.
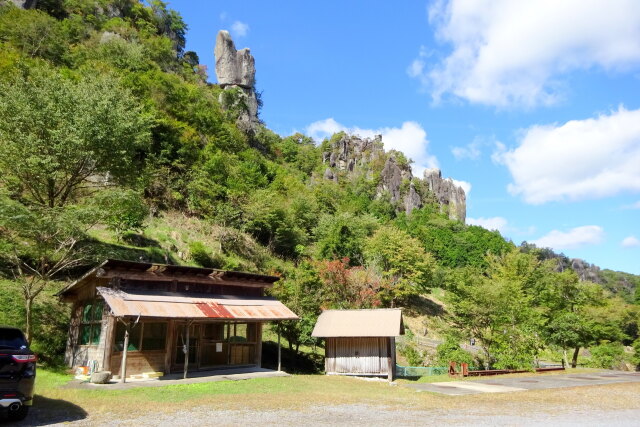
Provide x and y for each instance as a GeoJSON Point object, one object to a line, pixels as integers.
{"type": "Point", "coordinates": [218, 347]}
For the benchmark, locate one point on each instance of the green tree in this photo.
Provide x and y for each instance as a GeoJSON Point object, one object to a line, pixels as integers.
{"type": "Point", "coordinates": [59, 136]}
{"type": "Point", "coordinates": [35, 33]}
{"type": "Point", "coordinates": [38, 245]}
{"type": "Point", "coordinates": [402, 260]}
{"type": "Point", "coordinates": [121, 210]}
{"type": "Point", "coordinates": [450, 351]}
{"type": "Point", "coordinates": [343, 236]}
{"type": "Point", "coordinates": [300, 291]}
{"type": "Point", "coordinates": [492, 306]}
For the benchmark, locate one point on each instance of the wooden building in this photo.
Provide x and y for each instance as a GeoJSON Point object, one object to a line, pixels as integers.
{"type": "Point", "coordinates": [360, 342]}
{"type": "Point", "coordinates": [167, 318]}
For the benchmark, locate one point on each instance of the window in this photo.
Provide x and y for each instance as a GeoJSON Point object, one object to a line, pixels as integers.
{"type": "Point", "coordinates": [91, 323]}
{"type": "Point", "coordinates": [12, 338]}
{"type": "Point", "coordinates": [146, 336]}
{"type": "Point", "coordinates": [242, 332]}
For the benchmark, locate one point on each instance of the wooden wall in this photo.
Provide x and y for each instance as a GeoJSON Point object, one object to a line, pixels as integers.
{"type": "Point", "coordinates": [363, 356]}
{"type": "Point", "coordinates": [139, 362]}
{"type": "Point", "coordinates": [80, 355]}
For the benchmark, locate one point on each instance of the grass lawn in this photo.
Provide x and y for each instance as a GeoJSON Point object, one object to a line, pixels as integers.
{"type": "Point", "coordinates": [300, 391]}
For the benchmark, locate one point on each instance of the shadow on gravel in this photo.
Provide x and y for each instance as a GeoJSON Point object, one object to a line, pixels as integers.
{"type": "Point", "coordinates": [47, 411]}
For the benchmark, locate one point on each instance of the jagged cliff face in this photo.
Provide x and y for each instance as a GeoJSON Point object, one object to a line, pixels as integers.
{"type": "Point", "coordinates": [447, 194]}
{"type": "Point", "coordinates": [236, 71]}
{"type": "Point", "coordinates": [352, 154]}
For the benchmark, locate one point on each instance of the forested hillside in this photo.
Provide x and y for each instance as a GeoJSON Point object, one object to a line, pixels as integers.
{"type": "Point", "coordinates": [114, 144]}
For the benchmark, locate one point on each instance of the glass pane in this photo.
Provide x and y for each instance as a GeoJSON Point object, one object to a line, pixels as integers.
{"type": "Point", "coordinates": [154, 336]}
{"type": "Point", "coordinates": [85, 334]}
{"type": "Point", "coordinates": [95, 333]}
{"type": "Point", "coordinates": [86, 313]}
{"type": "Point", "coordinates": [97, 310]}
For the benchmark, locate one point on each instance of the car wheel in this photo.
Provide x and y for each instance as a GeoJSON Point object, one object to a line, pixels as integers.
{"type": "Point", "coordinates": [20, 414]}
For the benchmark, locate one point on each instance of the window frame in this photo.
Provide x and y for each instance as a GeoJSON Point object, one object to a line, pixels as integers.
{"type": "Point", "coordinates": [140, 338]}
{"type": "Point", "coordinates": [93, 324]}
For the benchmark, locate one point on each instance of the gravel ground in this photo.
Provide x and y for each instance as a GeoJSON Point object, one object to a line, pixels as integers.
{"type": "Point", "coordinates": [371, 416]}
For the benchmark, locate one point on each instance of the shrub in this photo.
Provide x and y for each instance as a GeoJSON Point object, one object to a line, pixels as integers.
{"type": "Point", "coordinates": [201, 255]}
{"type": "Point", "coordinates": [413, 356]}
{"type": "Point", "coordinates": [450, 351]}
{"type": "Point", "coordinates": [607, 355]}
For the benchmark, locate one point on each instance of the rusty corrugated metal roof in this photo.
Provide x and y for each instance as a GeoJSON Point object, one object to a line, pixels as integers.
{"type": "Point", "coordinates": [381, 322]}
{"type": "Point", "coordinates": [182, 306]}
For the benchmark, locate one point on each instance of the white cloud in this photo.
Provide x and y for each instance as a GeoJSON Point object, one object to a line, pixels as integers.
{"type": "Point", "coordinates": [516, 52]}
{"type": "Point", "coordinates": [470, 151]}
{"type": "Point", "coordinates": [239, 29]}
{"type": "Point", "coordinates": [416, 68]}
{"type": "Point", "coordinates": [410, 139]}
{"type": "Point", "coordinates": [635, 205]}
{"type": "Point", "coordinates": [630, 242]}
{"type": "Point", "coordinates": [575, 238]}
{"type": "Point", "coordinates": [494, 223]}
{"type": "Point", "coordinates": [580, 159]}
{"type": "Point", "coordinates": [466, 186]}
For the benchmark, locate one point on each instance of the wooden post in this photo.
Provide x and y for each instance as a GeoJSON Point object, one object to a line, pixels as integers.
{"type": "Point", "coordinates": [123, 364]}
{"type": "Point", "coordinates": [108, 342]}
{"type": "Point", "coordinates": [258, 347]}
{"type": "Point", "coordinates": [279, 353]}
{"type": "Point", "coordinates": [391, 343]}
{"type": "Point", "coordinates": [186, 353]}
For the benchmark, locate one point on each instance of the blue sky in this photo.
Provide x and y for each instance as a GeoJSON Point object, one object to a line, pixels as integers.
{"type": "Point", "coordinates": [533, 106]}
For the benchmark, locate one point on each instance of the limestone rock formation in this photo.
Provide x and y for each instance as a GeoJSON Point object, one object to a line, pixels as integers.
{"type": "Point", "coordinates": [412, 200]}
{"type": "Point", "coordinates": [236, 74]}
{"type": "Point", "coordinates": [447, 194]}
{"type": "Point", "coordinates": [353, 155]}
{"type": "Point", "coordinates": [391, 179]}
{"type": "Point", "coordinates": [233, 67]}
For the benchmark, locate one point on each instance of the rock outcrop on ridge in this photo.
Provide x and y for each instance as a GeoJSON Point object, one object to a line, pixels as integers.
{"type": "Point", "coordinates": [236, 74]}
{"type": "Point", "coordinates": [351, 155]}
{"type": "Point", "coordinates": [447, 193]}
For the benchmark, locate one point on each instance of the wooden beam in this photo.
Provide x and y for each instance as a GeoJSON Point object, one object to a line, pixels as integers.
{"type": "Point", "coordinates": [279, 353]}
{"type": "Point", "coordinates": [123, 364]}
{"type": "Point", "coordinates": [258, 355]}
{"type": "Point", "coordinates": [186, 353]}
{"type": "Point", "coordinates": [392, 359]}
{"type": "Point", "coordinates": [109, 338]}
{"type": "Point", "coordinates": [169, 347]}
{"type": "Point", "coordinates": [152, 277]}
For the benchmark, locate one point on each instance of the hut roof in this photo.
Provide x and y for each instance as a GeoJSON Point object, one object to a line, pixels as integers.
{"type": "Point", "coordinates": [359, 323]}
{"type": "Point", "coordinates": [176, 305]}
{"type": "Point", "coordinates": [144, 271]}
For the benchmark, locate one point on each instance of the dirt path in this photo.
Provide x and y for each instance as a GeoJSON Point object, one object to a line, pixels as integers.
{"type": "Point", "coordinates": [504, 384]}
{"type": "Point", "coordinates": [372, 415]}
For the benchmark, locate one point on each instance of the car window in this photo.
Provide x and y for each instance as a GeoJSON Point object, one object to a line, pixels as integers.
{"type": "Point", "coordinates": [12, 338]}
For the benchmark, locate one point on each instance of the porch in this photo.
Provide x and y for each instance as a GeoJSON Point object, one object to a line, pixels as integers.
{"type": "Point", "coordinates": [229, 374]}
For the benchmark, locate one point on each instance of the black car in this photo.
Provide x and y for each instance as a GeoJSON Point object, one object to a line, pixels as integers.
{"type": "Point", "coordinates": [17, 373]}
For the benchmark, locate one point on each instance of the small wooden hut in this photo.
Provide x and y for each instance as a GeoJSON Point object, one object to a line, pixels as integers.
{"type": "Point", "coordinates": [360, 342]}
{"type": "Point", "coordinates": [167, 318]}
